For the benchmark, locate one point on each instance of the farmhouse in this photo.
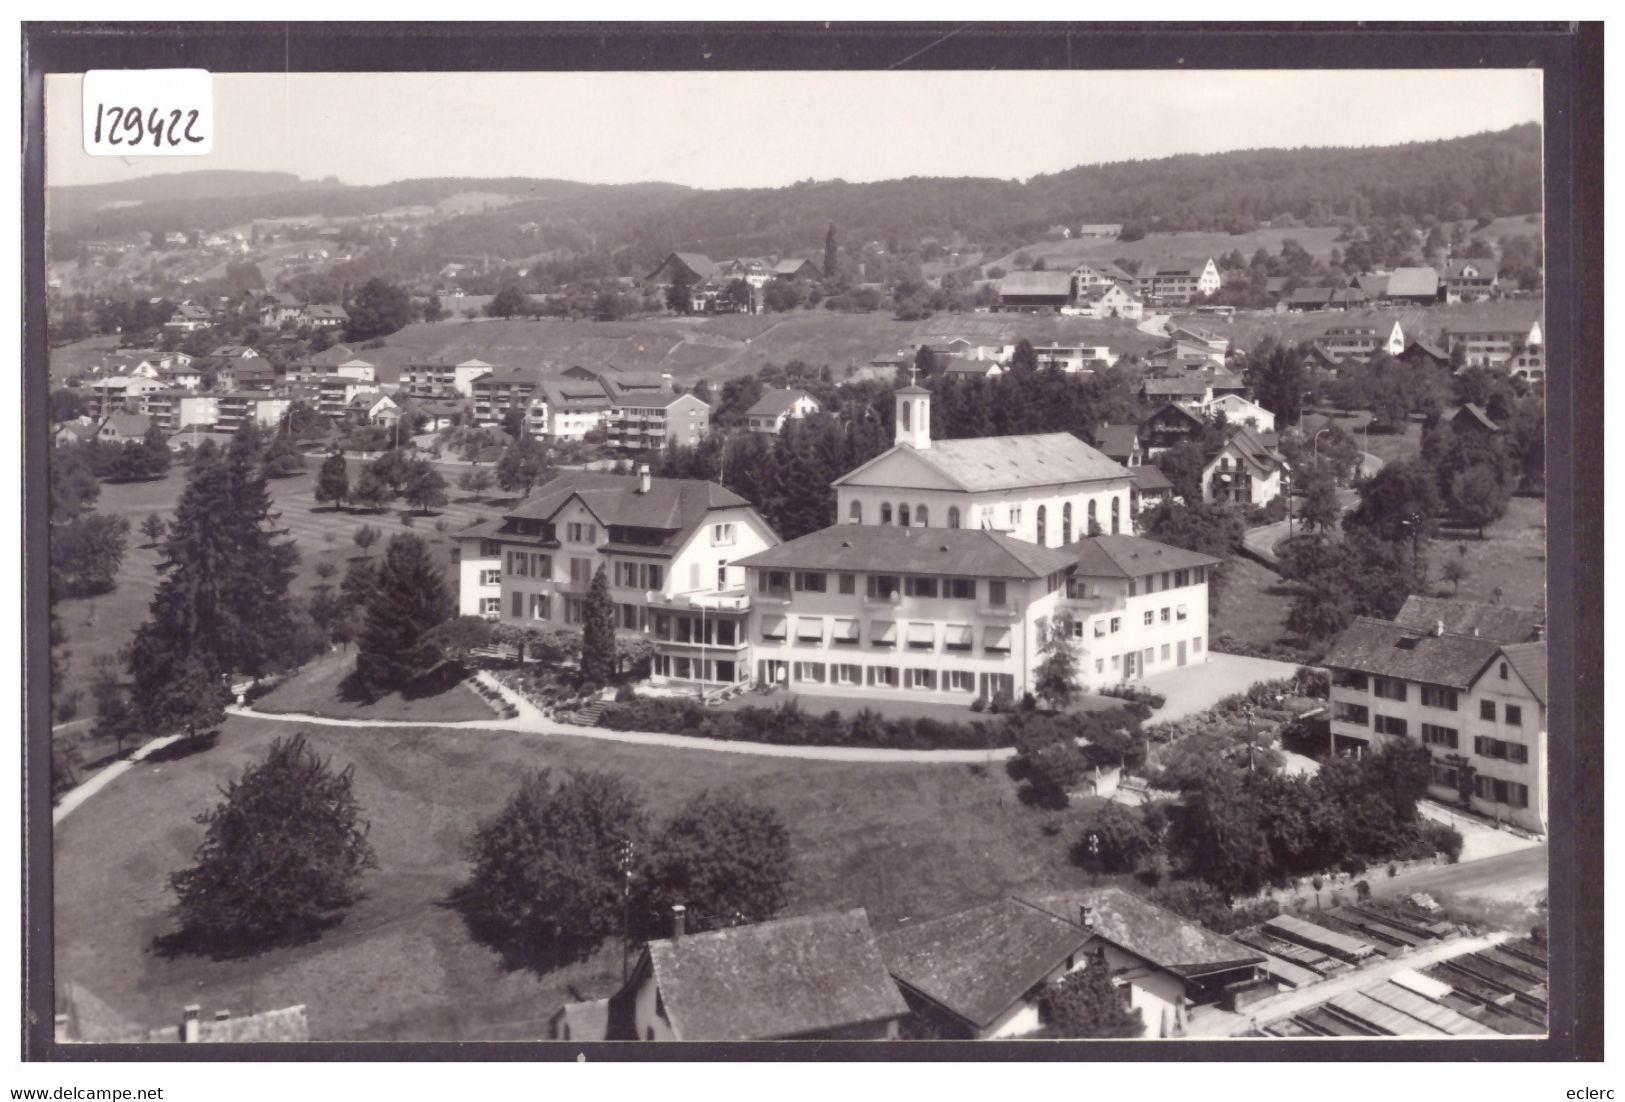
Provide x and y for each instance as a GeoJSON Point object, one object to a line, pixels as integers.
{"type": "Point", "coordinates": [1417, 286]}
{"type": "Point", "coordinates": [1173, 282]}
{"type": "Point", "coordinates": [1469, 280]}
{"type": "Point", "coordinates": [776, 406]}
{"type": "Point", "coordinates": [1035, 291]}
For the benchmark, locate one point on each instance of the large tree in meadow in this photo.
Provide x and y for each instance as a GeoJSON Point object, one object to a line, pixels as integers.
{"type": "Point", "coordinates": [724, 857]}
{"type": "Point", "coordinates": [406, 602]}
{"type": "Point", "coordinates": [281, 858]}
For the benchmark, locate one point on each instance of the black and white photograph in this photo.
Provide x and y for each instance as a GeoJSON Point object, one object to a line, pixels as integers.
{"type": "Point", "coordinates": [777, 554]}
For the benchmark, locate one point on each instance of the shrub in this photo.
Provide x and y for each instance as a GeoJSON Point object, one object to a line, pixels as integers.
{"type": "Point", "coordinates": [1114, 838]}
{"type": "Point", "coordinates": [978, 705]}
{"type": "Point", "coordinates": [1439, 838]}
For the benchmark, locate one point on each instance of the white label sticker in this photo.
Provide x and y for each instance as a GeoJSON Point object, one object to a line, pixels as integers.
{"type": "Point", "coordinates": [148, 112]}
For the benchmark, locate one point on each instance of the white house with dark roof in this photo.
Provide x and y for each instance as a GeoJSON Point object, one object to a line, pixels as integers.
{"type": "Point", "coordinates": [1177, 281]}
{"type": "Point", "coordinates": [1244, 470]}
{"type": "Point", "coordinates": [1035, 487]}
{"type": "Point", "coordinates": [1477, 703]}
{"type": "Point", "coordinates": [1469, 280]}
{"type": "Point", "coordinates": [671, 548]}
{"type": "Point", "coordinates": [778, 405]}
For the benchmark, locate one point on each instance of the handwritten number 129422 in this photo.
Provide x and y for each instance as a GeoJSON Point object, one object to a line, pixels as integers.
{"type": "Point", "coordinates": [128, 126]}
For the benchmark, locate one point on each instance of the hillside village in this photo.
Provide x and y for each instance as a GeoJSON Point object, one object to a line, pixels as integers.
{"type": "Point", "coordinates": [1012, 546]}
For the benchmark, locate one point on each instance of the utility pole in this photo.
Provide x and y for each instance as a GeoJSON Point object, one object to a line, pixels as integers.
{"type": "Point", "coordinates": [624, 854]}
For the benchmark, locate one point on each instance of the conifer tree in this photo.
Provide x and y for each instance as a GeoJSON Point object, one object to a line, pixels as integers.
{"type": "Point", "coordinates": [405, 602]}
{"type": "Point", "coordinates": [333, 481]}
{"type": "Point", "coordinates": [598, 633]}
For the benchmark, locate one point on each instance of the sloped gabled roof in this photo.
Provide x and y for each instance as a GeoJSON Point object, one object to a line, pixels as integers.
{"type": "Point", "coordinates": [1123, 556]}
{"type": "Point", "coordinates": [1148, 931]}
{"type": "Point", "coordinates": [1502, 623]}
{"type": "Point", "coordinates": [969, 552]}
{"type": "Point", "coordinates": [781, 979]}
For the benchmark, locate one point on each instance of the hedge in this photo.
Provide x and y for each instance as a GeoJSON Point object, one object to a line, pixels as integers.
{"type": "Point", "coordinates": [788, 725]}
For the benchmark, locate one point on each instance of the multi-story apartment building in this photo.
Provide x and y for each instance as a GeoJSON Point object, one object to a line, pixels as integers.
{"type": "Point", "coordinates": [174, 410]}
{"type": "Point", "coordinates": [314, 371]}
{"type": "Point", "coordinates": [954, 615]}
{"type": "Point", "coordinates": [238, 408]}
{"type": "Point", "coordinates": [126, 393]}
{"type": "Point", "coordinates": [1177, 282]}
{"type": "Point", "coordinates": [1244, 470]}
{"type": "Point", "coordinates": [1477, 703]}
{"type": "Point", "coordinates": [573, 407]}
{"type": "Point", "coordinates": [334, 393]}
{"type": "Point", "coordinates": [650, 423]}
{"type": "Point", "coordinates": [776, 406]}
{"type": "Point", "coordinates": [1042, 488]}
{"type": "Point", "coordinates": [1342, 341]}
{"type": "Point", "coordinates": [503, 389]}
{"type": "Point", "coordinates": [437, 380]}
{"type": "Point", "coordinates": [1492, 346]}
{"type": "Point", "coordinates": [671, 548]}
{"type": "Point", "coordinates": [1073, 358]}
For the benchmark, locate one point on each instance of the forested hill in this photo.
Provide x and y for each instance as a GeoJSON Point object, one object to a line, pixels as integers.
{"type": "Point", "coordinates": [1490, 174]}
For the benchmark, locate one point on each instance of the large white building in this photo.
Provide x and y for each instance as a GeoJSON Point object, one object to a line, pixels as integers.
{"type": "Point", "coordinates": [1042, 488]}
{"type": "Point", "coordinates": [671, 549]}
{"type": "Point", "coordinates": [1476, 701]}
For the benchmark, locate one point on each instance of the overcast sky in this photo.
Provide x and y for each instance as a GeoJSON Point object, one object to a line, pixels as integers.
{"type": "Point", "coordinates": [770, 129]}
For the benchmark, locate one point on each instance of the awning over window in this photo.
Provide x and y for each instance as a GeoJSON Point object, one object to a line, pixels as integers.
{"type": "Point", "coordinates": [958, 635]}
{"type": "Point", "coordinates": [882, 631]}
{"type": "Point", "coordinates": [772, 627]}
{"type": "Point", "coordinates": [922, 635]}
{"type": "Point", "coordinates": [846, 631]}
{"type": "Point", "coordinates": [810, 627]}
{"type": "Point", "coordinates": [996, 638]}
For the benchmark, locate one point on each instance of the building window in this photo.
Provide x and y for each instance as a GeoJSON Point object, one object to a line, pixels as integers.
{"type": "Point", "coordinates": [922, 516]}
{"type": "Point", "coordinates": [961, 681]}
{"type": "Point", "coordinates": [1503, 671]}
{"type": "Point", "coordinates": [959, 589]}
{"type": "Point", "coordinates": [1196, 644]}
{"type": "Point", "coordinates": [1433, 735]}
{"type": "Point", "coordinates": [1100, 665]}
{"type": "Point", "coordinates": [1165, 652]}
{"type": "Point", "coordinates": [915, 586]}
{"type": "Point", "coordinates": [996, 594]}
{"type": "Point", "coordinates": [883, 587]}
{"type": "Point", "coordinates": [902, 516]}
{"type": "Point", "coordinates": [1100, 629]}
{"type": "Point", "coordinates": [922, 679]}
{"type": "Point", "coordinates": [883, 676]}
{"type": "Point", "coordinates": [1436, 696]}
{"type": "Point", "coordinates": [809, 582]}
{"type": "Point", "coordinates": [518, 605]}
{"type": "Point", "coordinates": [953, 516]}
{"type": "Point", "coordinates": [1116, 521]}
{"type": "Point", "coordinates": [491, 606]}
{"type": "Point", "coordinates": [1344, 712]}
{"type": "Point", "coordinates": [1388, 688]}
{"type": "Point", "coordinates": [885, 512]}
{"type": "Point", "coordinates": [854, 512]}
{"type": "Point", "coordinates": [722, 535]}
{"type": "Point", "coordinates": [490, 577]}
{"type": "Point", "coordinates": [1043, 518]}
{"type": "Point", "coordinates": [1150, 617]}
{"type": "Point", "coordinates": [1389, 725]}
{"type": "Point", "coordinates": [1117, 624]}
{"type": "Point", "coordinates": [849, 584]}
{"type": "Point", "coordinates": [809, 671]}
{"type": "Point", "coordinates": [1066, 524]}
{"type": "Point", "coordinates": [1514, 715]}
{"type": "Point", "coordinates": [1486, 710]}
{"type": "Point", "coordinates": [579, 532]}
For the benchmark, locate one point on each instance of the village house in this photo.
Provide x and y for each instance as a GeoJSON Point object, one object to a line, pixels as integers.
{"type": "Point", "coordinates": [1528, 365]}
{"type": "Point", "coordinates": [1243, 470]}
{"type": "Point", "coordinates": [121, 393]}
{"type": "Point", "coordinates": [375, 408]}
{"type": "Point", "coordinates": [1034, 487]}
{"type": "Point", "coordinates": [1421, 353]}
{"type": "Point", "coordinates": [1374, 284]}
{"type": "Point", "coordinates": [243, 375]}
{"type": "Point", "coordinates": [1075, 357]}
{"type": "Point", "coordinates": [69, 433]}
{"type": "Point", "coordinates": [1414, 286]}
{"type": "Point", "coordinates": [82, 1017]}
{"type": "Point", "coordinates": [1097, 275]}
{"type": "Point", "coordinates": [793, 268]}
{"type": "Point", "coordinates": [323, 315]}
{"type": "Point", "coordinates": [957, 367]}
{"type": "Point", "coordinates": [123, 428]}
{"type": "Point", "coordinates": [1469, 280]}
{"type": "Point", "coordinates": [187, 377]}
{"type": "Point", "coordinates": [671, 548]}
{"type": "Point", "coordinates": [776, 406]}
{"type": "Point", "coordinates": [1215, 345]}
{"type": "Point", "coordinates": [1115, 300]}
{"type": "Point", "coordinates": [1323, 298]}
{"type": "Point", "coordinates": [1342, 341]}
{"type": "Point", "coordinates": [1473, 419]}
{"type": "Point", "coordinates": [188, 318]}
{"type": "Point", "coordinates": [1170, 425]}
{"type": "Point", "coordinates": [1177, 282]}
{"type": "Point", "coordinates": [502, 390]}
{"type": "Point", "coordinates": [1492, 345]}
{"type": "Point", "coordinates": [1240, 411]}
{"type": "Point", "coordinates": [808, 978]}
{"type": "Point", "coordinates": [1192, 391]}
{"type": "Point", "coordinates": [1478, 704]}
{"type": "Point", "coordinates": [1035, 291]}
{"type": "Point", "coordinates": [642, 421]}
{"type": "Point", "coordinates": [277, 308]}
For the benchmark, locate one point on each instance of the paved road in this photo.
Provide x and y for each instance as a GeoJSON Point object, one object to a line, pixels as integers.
{"type": "Point", "coordinates": [1262, 540]}
{"type": "Point", "coordinates": [1510, 873]}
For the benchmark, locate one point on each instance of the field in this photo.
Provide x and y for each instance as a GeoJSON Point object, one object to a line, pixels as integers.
{"type": "Point", "coordinates": [315, 690]}
{"type": "Point", "coordinates": [901, 841]}
{"type": "Point", "coordinates": [721, 347]}
{"type": "Point", "coordinates": [1254, 605]}
{"type": "Point", "coordinates": [1390, 447]}
{"type": "Point", "coordinates": [72, 359]}
{"type": "Point", "coordinates": [1317, 240]}
{"type": "Point", "coordinates": [1250, 327]}
{"type": "Point", "coordinates": [98, 627]}
{"type": "Point", "coordinates": [1508, 566]}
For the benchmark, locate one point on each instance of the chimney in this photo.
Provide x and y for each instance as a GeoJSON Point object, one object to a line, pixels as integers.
{"type": "Point", "coordinates": [59, 1032]}
{"type": "Point", "coordinates": [1086, 916]}
{"type": "Point", "coordinates": [1438, 628]}
{"type": "Point", "coordinates": [679, 920]}
{"type": "Point", "coordinates": [644, 482]}
{"type": "Point", "coordinates": [189, 1024]}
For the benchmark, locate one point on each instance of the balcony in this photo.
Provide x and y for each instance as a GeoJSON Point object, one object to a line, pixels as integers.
{"type": "Point", "coordinates": [1007, 611]}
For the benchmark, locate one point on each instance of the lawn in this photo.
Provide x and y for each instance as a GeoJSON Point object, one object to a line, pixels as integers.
{"type": "Point", "coordinates": [1194, 244]}
{"type": "Point", "coordinates": [724, 346]}
{"type": "Point", "coordinates": [902, 841]}
{"type": "Point", "coordinates": [316, 690]}
{"type": "Point", "coordinates": [1507, 566]}
{"type": "Point", "coordinates": [97, 628]}
{"type": "Point", "coordinates": [1254, 605]}
{"type": "Point", "coordinates": [1390, 447]}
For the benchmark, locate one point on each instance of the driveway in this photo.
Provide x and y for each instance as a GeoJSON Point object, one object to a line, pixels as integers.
{"type": "Point", "coordinates": [1192, 689]}
{"type": "Point", "coordinates": [1155, 326]}
{"type": "Point", "coordinates": [1480, 837]}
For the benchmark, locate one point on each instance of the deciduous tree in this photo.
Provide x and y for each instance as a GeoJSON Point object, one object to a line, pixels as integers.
{"type": "Point", "coordinates": [725, 858]}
